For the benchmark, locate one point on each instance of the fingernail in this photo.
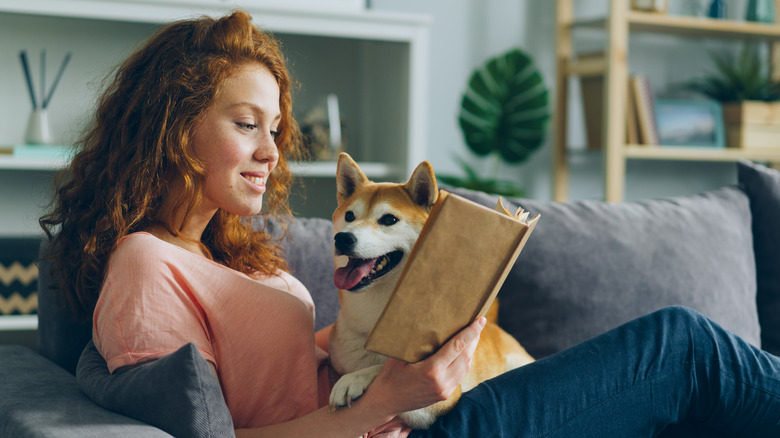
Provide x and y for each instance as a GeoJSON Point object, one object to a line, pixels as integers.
{"type": "Point", "coordinates": [482, 321]}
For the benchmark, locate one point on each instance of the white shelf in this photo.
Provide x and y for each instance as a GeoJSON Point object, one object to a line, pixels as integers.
{"type": "Point", "coordinates": [18, 322]}
{"type": "Point", "coordinates": [312, 169]}
{"type": "Point", "coordinates": [10, 162]}
{"type": "Point", "coordinates": [345, 23]}
{"type": "Point", "coordinates": [328, 169]}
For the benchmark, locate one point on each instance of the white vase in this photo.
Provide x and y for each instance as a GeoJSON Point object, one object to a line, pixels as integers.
{"type": "Point", "coordinates": [38, 128]}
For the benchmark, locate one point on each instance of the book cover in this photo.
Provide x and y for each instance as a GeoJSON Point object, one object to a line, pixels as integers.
{"type": "Point", "coordinates": [643, 95]}
{"type": "Point", "coordinates": [456, 268]}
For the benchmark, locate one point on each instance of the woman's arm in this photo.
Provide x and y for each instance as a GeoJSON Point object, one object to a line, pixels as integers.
{"type": "Point", "coordinates": [398, 388]}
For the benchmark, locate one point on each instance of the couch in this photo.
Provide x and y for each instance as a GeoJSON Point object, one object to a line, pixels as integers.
{"type": "Point", "coordinates": [588, 267]}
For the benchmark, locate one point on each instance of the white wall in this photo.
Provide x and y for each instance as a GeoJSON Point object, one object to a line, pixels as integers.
{"type": "Point", "coordinates": [465, 33]}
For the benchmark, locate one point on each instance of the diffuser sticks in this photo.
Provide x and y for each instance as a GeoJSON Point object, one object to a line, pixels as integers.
{"type": "Point", "coordinates": [45, 97]}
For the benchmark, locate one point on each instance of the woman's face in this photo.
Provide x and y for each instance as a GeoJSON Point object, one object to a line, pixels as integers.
{"type": "Point", "coordinates": [235, 141]}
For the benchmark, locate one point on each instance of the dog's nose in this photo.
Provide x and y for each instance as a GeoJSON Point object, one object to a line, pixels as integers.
{"type": "Point", "coordinates": [344, 242]}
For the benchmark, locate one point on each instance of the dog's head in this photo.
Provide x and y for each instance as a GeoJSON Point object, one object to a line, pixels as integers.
{"type": "Point", "coordinates": [377, 224]}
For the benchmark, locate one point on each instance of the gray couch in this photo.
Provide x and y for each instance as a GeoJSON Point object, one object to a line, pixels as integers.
{"type": "Point", "coordinates": [588, 267]}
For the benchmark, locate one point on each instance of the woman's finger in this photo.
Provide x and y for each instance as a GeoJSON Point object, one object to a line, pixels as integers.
{"type": "Point", "coordinates": [465, 339]}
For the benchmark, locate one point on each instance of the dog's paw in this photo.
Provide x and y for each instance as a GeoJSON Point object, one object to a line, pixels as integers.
{"type": "Point", "coordinates": [351, 386]}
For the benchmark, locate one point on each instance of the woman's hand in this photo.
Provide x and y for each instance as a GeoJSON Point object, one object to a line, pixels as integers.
{"type": "Point", "coordinates": [406, 386]}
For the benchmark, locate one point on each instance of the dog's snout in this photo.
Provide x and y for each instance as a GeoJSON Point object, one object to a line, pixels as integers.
{"type": "Point", "coordinates": [344, 242]}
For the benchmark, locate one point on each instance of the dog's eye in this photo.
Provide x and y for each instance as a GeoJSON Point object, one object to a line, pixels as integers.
{"type": "Point", "coordinates": [388, 220]}
{"type": "Point", "coordinates": [349, 216]}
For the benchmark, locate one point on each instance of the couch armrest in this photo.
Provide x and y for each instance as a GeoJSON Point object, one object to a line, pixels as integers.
{"type": "Point", "coordinates": [38, 398]}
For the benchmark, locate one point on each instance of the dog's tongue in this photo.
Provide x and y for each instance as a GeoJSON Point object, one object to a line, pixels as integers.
{"type": "Point", "coordinates": [349, 276]}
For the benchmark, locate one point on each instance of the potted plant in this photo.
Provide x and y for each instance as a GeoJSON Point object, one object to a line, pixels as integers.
{"type": "Point", "coordinates": [749, 93]}
{"type": "Point", "coordinates": [504, 114]}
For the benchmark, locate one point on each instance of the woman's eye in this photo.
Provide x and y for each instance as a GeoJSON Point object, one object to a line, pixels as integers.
{"type": "Point", "coordinates": [246, 126]}
{"type": "Point", "coordinates": [274, 134]}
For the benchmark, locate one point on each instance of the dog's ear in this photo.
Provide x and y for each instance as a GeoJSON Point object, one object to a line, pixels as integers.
{"type": "Point", "coordinates": [348, 177]}
{"type": "Point", "coordinates": [422, 186]}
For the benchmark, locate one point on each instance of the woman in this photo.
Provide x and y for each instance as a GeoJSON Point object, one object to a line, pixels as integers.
{"type": "Point", "coordinates": [194, 131]}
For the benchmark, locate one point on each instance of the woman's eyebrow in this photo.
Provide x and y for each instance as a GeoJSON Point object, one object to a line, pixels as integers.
{"type": "Point", "coordinates": [254, 108]}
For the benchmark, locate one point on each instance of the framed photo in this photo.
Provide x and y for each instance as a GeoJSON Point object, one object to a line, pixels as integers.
{"type": "Point", "coordinates": [690, 123]}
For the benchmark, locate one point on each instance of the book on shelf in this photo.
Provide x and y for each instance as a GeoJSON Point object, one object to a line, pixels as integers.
{"type": "Point", "coordinates": [645, 111]}
{"type": "Point", "coordinates": [453, 274]}
{"type": "Point", "coordinates": [632, 130]}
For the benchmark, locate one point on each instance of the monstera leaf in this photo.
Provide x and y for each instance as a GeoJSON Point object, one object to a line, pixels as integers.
{"type": "Point", "coordinates": [505, 108]}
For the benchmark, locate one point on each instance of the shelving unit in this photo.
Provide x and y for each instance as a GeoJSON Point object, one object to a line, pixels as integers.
{"type": "Point", "coordinates": [377, 64]}
{"type": "Point", "coordinates": [619, 24]}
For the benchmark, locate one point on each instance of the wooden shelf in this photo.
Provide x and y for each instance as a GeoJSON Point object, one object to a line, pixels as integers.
{"type": "Point", "coordinates": [619, 24]}
{"type": "Point", "coordinates": [700, 153]}
{"type": "Point", "coordinates": [689, 26]}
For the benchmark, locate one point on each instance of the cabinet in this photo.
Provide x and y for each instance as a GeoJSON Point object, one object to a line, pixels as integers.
{"type": "Point", "coordinates": [619, 23]}
{"type": "Point", "coordinates": [376, 63]}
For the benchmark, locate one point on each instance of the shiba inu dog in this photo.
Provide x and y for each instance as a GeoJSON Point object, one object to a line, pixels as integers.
{"type": "Point", "coordinates": [376, 225]}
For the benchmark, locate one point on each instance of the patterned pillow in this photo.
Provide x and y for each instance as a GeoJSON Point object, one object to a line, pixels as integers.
{"type": "Point", "coordinates": [18, 276]}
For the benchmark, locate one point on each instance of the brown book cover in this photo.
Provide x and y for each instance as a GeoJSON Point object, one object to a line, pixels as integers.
{"type": "Point", "coordinates": [457, 266]}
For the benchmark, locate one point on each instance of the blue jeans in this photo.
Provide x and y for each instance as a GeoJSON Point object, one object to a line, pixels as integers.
{"type": "Point", "coordinates": [671, 373]}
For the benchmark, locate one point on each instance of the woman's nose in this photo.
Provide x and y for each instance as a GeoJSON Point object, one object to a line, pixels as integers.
{"type": "Point", "coordinates": [266, 150]}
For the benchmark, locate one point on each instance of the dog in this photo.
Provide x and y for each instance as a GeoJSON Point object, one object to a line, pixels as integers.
{"type": "Point", "coordinates": [375, 227]}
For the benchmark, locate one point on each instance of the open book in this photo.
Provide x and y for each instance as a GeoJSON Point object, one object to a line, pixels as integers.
{"type": "Point", "coordinates": [458, 264]}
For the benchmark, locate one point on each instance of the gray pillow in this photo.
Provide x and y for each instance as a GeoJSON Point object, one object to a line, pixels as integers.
{"type": "Point", "coordinates": [177, 393]}
{"type": "Point", "coordinates": [308, 248]}
{"type": "Point", "coordinates": [590, 266]}
{"type": "Point", "coordinates": [763, 187]}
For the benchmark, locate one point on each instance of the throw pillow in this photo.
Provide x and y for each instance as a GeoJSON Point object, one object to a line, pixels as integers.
{"type": "Point", "coordinates": [590, 266]}
{"type": "Point", "coordinates": [763, 187]}
{"type": "Point", "coordinates": [308, 249]}
{"type": "Point", "coordinates": [177, 393]}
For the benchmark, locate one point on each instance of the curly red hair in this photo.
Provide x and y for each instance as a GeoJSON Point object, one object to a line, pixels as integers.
{"type": "Point", "coordinates": [139, 145]}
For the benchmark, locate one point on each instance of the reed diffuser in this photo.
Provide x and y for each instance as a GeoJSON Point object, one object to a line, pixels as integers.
{"type": "Point", "coordinates": [38, 123]}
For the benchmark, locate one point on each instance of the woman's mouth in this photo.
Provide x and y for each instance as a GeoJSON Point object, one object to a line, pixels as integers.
{"type": "Point", "coordinates": [258, 182]}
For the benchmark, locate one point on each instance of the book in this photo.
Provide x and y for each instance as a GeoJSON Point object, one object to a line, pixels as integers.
{"type": "Point", "coordinates": [643, 97]}
{"type": "Point", "coordinates": [632, 131]}
{"type": "Point", "coordinates": [453, 274]}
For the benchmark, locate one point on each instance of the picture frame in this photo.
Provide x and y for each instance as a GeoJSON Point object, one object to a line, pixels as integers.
{"type": "Point", "coordinates": [696, 123]}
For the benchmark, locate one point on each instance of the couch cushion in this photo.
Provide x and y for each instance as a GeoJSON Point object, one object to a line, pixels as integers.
{"type": "Point", "coordinates": [177, 393]}
{"type": "Point", "coordinates": [763, 187]}
{"type": "Point", "coordinates": [40, 399]}
{"type": "Point", "coordinates": [308, 247]}
{"type": "Point", "coordinates": [590, 266]}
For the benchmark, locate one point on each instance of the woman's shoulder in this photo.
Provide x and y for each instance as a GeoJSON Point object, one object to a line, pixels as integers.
{"type": "Point", "coordinates": [143, 249]}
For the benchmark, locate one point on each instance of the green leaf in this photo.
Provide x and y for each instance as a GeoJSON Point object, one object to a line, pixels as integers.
{"type": "Point", "coordinates": [505, 108]}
